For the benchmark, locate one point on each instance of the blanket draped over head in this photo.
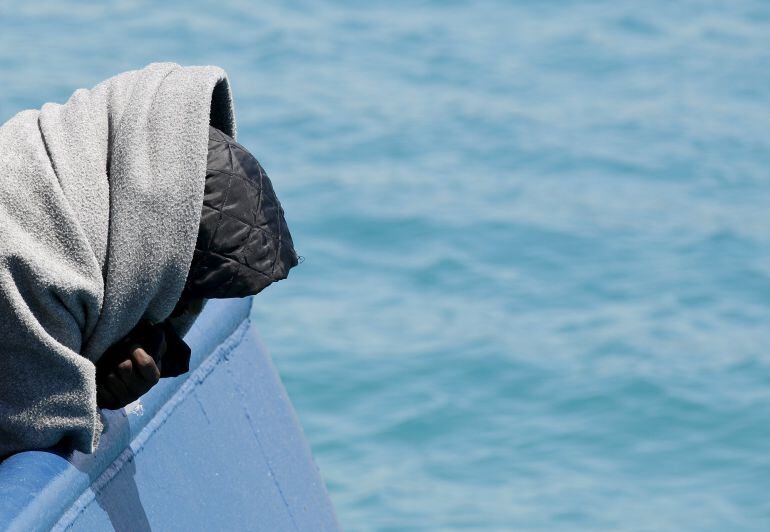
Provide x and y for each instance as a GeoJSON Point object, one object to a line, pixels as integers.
{"type": "Point", "coordinates": [100, 203]}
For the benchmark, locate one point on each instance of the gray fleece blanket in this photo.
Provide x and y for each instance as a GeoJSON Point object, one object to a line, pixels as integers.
{"type": "Point", "coordinates": [100, 202]}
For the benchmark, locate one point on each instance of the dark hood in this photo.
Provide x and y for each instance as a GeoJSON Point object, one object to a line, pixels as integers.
{"type": "Point", "coordinates": [243, 242]}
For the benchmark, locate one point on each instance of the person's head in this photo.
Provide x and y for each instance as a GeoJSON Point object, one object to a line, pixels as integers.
{"type": "Point", "coordinates": [243, 242]}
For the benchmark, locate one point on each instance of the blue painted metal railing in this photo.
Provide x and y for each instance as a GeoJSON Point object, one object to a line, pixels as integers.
{"type": "Point", "coordinates": [218, 448]}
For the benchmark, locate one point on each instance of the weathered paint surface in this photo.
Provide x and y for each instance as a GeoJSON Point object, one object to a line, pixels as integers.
{"type": "Point", "coordinates": [218, 448]}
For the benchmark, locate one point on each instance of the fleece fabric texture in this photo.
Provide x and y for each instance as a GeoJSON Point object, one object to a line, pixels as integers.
{"type": "Point", "coordinates": [100, 202]}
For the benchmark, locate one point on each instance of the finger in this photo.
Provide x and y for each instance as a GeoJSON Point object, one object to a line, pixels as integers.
{"type": "Point", "coordinates": [105, 399]}
{"type": "Point", "coordinates": [135, 383]}
{"type": "Point", "coordinates": [122, 395]}
{"type": "Point", "coordinates": [124, 369]}
{"type": "Point", "coordinates": [145, 366]}
{"type": "Point", "coordinates": [118, 389]}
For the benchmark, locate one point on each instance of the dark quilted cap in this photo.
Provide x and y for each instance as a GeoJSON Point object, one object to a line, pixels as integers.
{"type": "Point", "coordinates": [243, 241]}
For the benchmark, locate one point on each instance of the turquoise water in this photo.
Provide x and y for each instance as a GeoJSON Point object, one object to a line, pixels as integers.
{"type": "Point", "coordinates": [536, 293]}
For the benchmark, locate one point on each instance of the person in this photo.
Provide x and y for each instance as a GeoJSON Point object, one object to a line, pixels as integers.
{"type": "Point", "coordinates": [122, 211]}
{"type": "Point", "coordinates": [225, 265]}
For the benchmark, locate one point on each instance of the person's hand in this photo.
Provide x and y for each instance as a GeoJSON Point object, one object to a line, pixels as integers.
{"type": "Point", "coordinates": [128, 369]}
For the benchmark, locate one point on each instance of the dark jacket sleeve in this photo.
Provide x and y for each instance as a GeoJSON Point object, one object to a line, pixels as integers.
{"type": "Point", "coordinates": [176, 360]}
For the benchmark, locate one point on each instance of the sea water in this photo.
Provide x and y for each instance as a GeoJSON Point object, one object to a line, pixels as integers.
{"type": "Point", "coordinates": [536, 286]}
